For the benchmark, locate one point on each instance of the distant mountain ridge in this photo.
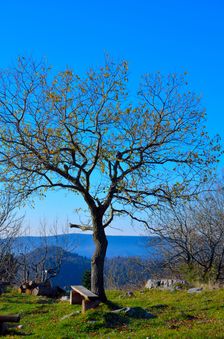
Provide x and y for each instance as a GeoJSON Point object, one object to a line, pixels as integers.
{"type": "Point", "coordinates": [70, 268]}
{"type": "Point", "coordinates": [82, 244]}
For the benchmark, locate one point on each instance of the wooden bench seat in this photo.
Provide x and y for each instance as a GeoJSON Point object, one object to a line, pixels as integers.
{"type": "Point", "coordinates": [81, 295]}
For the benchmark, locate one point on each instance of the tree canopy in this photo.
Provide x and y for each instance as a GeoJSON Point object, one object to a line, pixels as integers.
{"type": "Point", "coordinates": [87, 134]}
{"type": "Point", "coordinates": [84, 134]}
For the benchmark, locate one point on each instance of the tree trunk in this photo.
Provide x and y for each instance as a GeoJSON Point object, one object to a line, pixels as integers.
{"type": "Point", "coordinates": [97, 263]}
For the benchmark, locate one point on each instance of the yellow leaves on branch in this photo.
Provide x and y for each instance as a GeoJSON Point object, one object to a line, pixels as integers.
{"type": "Point", "coordinates": [68, 72]}
{"type": "Point", "coordinates": [82, 89]}
{"type": "Point", "coordinates": [50, 131]}
{"type": "Point", "coordinates": [102, 167]}
{"type": "Point", "coordinates": [54, 97]}
{"type": "Point", "coordinates": [125, 65]}
{"type": "Point", "coordinates": [106, 75]}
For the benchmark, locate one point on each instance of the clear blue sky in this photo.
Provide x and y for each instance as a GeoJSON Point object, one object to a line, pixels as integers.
{"type": "Point", "coordinates": [170, 36]}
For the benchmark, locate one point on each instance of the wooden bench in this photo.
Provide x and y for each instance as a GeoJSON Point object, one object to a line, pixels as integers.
{"type": "Point", "coordinates": [81, 295]}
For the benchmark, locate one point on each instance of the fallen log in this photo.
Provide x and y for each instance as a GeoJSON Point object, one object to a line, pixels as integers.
{"type": "Point", "coordinates": [27, 287]}
{"type": "Point", "coordinates": [11, 318]}
{"type": "Point", "coordinates": [28, 291]}
{"type": "Point", "coordinates": [21, 290]}
{"type": "Point", "coordinates": [50, 292]}
{"type": "Point", "coordinates": [5, 319]}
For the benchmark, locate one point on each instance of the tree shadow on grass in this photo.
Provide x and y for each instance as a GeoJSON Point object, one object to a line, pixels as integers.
{"type": "Point", "coordinates": [16, 333]}
{"type": "Point", "coordinates": [113, 320]}
{"type": "Point", "coordinates": [124, 315]}
{"type": "Point", "coordinates": [46, 301]}
{"type": "Point", "coordinates": [159, 308]}
{"type": "Point", "coordinates": [112, 306]}
{"type": "Point", "coordinates": [13, 302]}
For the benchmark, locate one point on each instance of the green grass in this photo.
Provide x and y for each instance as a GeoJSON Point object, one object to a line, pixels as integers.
{"type": "Point", "coordinates": [178, 315]}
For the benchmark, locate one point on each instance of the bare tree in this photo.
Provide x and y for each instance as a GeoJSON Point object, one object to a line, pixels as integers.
{"type": "Point", "coordinates": [10, 228]}
{"type": "Point", "coordinates": [43, 262]}
{"type": "Point", "coordinates": [86, 135]}
{"type": "Point", "coordinates": [194, 234]}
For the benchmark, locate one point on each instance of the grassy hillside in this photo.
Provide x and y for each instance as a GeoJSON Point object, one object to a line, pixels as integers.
{"type": "Point", "coordinates": [178, 315]}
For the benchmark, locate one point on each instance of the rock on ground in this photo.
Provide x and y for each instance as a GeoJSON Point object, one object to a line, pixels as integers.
{"type": "Point", "coordinates": [135, 312]}
{"type": "Point", "coordinates": [195, 290]}
{"type": "Point", "coordinates": [164, 283]}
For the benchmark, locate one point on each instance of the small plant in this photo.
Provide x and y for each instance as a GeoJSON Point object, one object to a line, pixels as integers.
{"type": "Point", "coordinates": [86, 280]}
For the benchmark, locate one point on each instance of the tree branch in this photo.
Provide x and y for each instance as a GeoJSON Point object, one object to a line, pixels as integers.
{"type": "Point", "coordinates": [81, 227]}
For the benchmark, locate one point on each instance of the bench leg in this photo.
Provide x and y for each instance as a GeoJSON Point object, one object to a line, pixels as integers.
{"type": "Point", "coordinates": [75, 298]}
{"type": "Point", "coordinates": [88, 304]}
